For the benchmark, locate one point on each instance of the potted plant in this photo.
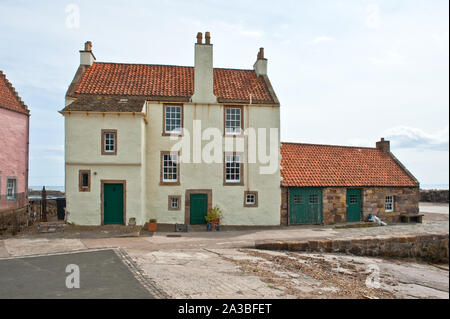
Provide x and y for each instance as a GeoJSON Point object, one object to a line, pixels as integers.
{"type": "Point", "coordinates": [152, 225]}
{"type": "Point", "coordinates": [214, 215]}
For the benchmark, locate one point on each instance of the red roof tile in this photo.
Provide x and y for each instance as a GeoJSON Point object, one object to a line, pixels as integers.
{"type": "Point", "coordinates": [9, 98]}
{"type": "Point", "coordinates": [309, 165]}
{"type": "Point", "coordinates": [160, 81]}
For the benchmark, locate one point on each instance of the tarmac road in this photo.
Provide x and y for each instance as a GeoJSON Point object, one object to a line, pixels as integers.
{"type": "Point", "coordinates": [102, 275]}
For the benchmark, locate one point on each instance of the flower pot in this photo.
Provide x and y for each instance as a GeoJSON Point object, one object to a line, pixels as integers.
{"type": "Point", "coordinates": [216, 221]}
{"type": "Point", "coordinates": [152, 227]}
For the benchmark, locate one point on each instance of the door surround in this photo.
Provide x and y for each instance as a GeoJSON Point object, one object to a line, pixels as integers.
{"type": "Point", "coordinates": [187, 202]}
{"type": "Point", "coordinates": [112, 181]}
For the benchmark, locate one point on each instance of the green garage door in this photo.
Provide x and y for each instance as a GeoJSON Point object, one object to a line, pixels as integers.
{"type": "Point", "coordinates": [305, 206]}
{"type": "Point", "coordinates": [113, 204]}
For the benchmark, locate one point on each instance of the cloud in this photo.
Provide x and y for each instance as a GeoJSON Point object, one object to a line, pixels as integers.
{"type": "Point", "coordinates": [388, 58]}
{"type": "Point", "coordinates": [373, 16]}
{"type": "Point", "coordinates": [240, 29]}
{"type": "Point", "coordinates": [410, 137]}
{"type": "Point", "coordinates": [322, 39]}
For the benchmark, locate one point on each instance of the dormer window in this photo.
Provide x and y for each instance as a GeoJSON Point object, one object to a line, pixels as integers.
{"type": "Point", "coordinates": [109, 142]}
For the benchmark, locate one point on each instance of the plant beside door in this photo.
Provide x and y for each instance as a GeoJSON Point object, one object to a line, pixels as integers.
{"type": "Point", "coordinates": [213, 218]}
{"type": "Point", "coordinates": [151, 226]}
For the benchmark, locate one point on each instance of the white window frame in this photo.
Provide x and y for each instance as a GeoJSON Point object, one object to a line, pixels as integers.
{"type": "Point", "coordinates": [232, 118]}
{"type": "Point", "coordinates": [250, 195]}
{"type": "Point", "coordinates": [13, 187]}
{"type": "Point", "coordinates": [174, 169]}
{"type": "Point", "coordinates": [110, 137]}
{"type": "Point", "coordinates": [389, 204]}
{"type": "Point", "coordinates": [173, 113]}
{"type": "Point", "coordinates": [230, 159]}
{"type": "Point", "coordinates": [175, 200]}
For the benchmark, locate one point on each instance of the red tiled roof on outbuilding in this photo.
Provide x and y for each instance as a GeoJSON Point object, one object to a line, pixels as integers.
{"type": "Point", "coordinates": [169, 81]}
{"type": "Point", "coordinates": [311, 165]}
{"type": "Point", "coordinates": [9, 98]}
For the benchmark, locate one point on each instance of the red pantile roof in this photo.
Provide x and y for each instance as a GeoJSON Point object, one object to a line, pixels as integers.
{"type": "Point", "coordinates": [309, 165]}
{"type": "Point", "coordinates": [9, 98]}
{"type": "Point", "coordinates": [168, 81]}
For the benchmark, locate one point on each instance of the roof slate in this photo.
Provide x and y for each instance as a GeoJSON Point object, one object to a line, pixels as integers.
{"type": "Point", "coordinates": [311, 165]}
{"type": "Point", "coordinates": [168, 82]}
{"type": "Point", "coordinates": [9, 98]}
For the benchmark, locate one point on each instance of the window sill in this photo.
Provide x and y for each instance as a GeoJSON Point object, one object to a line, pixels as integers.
{"type": "Point", "coordinates": [169, 183]}
{"type": "Point", "coordinates": [233, 184]}
{"type": "Point", "coordinates": [172, 134]}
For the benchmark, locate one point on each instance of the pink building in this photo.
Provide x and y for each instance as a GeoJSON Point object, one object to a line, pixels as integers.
{"type": "Point", "coordinates": [14, 139]}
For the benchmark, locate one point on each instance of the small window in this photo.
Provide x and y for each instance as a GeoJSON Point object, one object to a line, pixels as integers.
{"type": "Point", "coordinates": [298, 199]}
{"type": "Point", "coordinates": [233, 169]}
{"type": "Point", "coordinates": [233, 121]}
{"type": "Point", "coordinates": [173, 119]}
{"type": "Point", "coordinates": [250, 199]}
{"type": "Point", "coordinates": [11, 189]}
{"type": "Point", "coordinates": [169, 168]}
{"type": "Point", "coordinates": [313, 199]}
{"type": "Point", "coordinates": [109, 142]}
{"type": "Point", "coordinates": [84, 181]}
{"type": "Point", "coordinates": [389, 204]}
{"type": "Point", "coordinates": [174, 202]}
{"type": "Point", "coordinates": [353, 199]}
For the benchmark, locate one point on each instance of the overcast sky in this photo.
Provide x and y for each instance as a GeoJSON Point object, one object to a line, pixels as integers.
{"type": "Point", "coordinates": [346, 72]}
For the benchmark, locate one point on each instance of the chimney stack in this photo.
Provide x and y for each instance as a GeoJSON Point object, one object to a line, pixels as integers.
{"type": "Point", "coordinates": [86, 55]}
{"type": "Point", "coordinates": [260, 65]}
{"type": "Point", "coordinates": [384, 146]}
{"type": "Point", "coordinates": [203, 71]}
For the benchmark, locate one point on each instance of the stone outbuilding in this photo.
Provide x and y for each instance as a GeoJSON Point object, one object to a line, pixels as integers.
{"type": "Point", "coordinates": [325, 184]}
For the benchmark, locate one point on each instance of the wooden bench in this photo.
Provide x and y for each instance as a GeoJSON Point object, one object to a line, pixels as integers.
{"type": "Point", "coordinates": [50, 227]}
{"type": "Point", "coordinates": [411, 218]}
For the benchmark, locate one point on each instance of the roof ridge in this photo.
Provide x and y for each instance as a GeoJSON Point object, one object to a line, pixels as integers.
{"type": "Point", "coordinates": [172, 65]}
{"type": "Point", "coordinates": [329, 145]}
{"type": "Point", "coordinates": [13, 91]}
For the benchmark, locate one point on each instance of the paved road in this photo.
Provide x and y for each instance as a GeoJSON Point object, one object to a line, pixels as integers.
{"type": "Point", "coordinates": [102, 275]}
{"type": "Point", "coordinates": [436, 208]}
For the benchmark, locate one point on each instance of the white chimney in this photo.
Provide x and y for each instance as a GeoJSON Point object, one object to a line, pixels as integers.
{"type": "Point", "coordinates": [203, 71]}
{"type": "Point", "coordinates": [260, 65]}
{"type": "Point", "coordinates": [86, 55]}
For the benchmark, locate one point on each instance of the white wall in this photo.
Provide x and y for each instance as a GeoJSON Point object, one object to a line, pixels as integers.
{"type": "Point", "coordinates": [210, 176]}
{"type": "Point", "coordinates": [83, 151]}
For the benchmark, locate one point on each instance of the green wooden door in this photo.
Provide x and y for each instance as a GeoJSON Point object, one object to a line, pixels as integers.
{"type": "Point", "coordinates": [305, 206]}
{"type": "Point", "coordinates": [113, 204]}
{"type": "Point", "coordinates": [353, 205]}
{"type": "Point", "coordinates": [198, 208]}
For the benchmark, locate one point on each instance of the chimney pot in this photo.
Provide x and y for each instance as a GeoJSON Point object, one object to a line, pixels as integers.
{"type": "Point", "coordinates": [261, 53]}
{"type": "Point", "coordinates": [207, 37]}
{"type": "Point", "coordinates": [88, 46]}
{"type": "Point", "coordinates": [199, 38]}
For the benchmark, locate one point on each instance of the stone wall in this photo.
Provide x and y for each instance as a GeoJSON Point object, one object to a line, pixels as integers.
{"type": "Point", "coordinates": [406, 200]}
{"type": "Point", "coordinates": [334, 200]}
{"type": "Point", "coordinates": [434, 196]}
{"type": "Point", "coordinates": [334, 205]}
{"type": "Point", "coordinates": [284, 207]}
{"type": "Point", "coordinates": [430, 247]}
